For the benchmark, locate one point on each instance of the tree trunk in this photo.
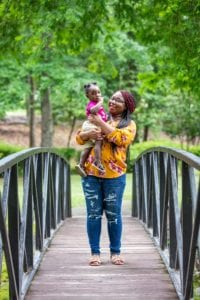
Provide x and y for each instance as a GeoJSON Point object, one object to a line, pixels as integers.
{"type": "Point", "coordinates": [47, 119]}
{"type": "Point", "coordinates": [31, 113]}
{"type": "Point", "coordinates": [145, 133]}
{"type": "Point", "coordinates": [71, 131]}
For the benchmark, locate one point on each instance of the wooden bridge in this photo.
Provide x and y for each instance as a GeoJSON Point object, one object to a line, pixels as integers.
{"type": "Point", "coordinates": [46, 249]}
{"type": "Point", "coordinates": [65, 273]}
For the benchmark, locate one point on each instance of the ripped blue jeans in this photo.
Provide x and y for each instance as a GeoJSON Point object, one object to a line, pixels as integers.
{"type": "Point", "coordinates": [104, 194]}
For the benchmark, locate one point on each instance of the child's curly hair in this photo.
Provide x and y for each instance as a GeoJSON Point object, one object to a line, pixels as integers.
{"type": "Point", "coordinates": [88, 86]}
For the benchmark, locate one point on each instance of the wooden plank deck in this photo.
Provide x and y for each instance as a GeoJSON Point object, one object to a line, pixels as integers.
{"type": "Point", "coordinates": [65, 274]}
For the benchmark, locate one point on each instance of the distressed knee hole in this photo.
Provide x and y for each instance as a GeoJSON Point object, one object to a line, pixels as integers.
{"type": "Point", "coordinates": [94, 217]}
{"type": "Point", "coordinates": [111, 198]}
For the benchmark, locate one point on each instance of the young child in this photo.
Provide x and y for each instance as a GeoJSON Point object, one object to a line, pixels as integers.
{"type": "Point", "coordinates": [94, 106]}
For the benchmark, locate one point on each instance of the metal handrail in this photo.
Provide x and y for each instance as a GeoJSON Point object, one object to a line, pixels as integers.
{"type": "Point", "coordinates": [169, 208]}
{"type": "Point", "coordinates": [28, 223]}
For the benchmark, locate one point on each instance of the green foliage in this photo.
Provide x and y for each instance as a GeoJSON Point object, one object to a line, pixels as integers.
{"type": "Point", "coordinates": [185, 110]}
{"type": "Point", "coordinates": [68, 97]}
{"type": "Point", "coordinates": [137, 148]}
{"type": "Point", "coordinates": [196, 281]}
{"type": "Point", "coordinates": [4, 286]}
{"type": "Point", "coordinates": [67, 153]}
{"type": "Point", "coordinates": [50, 26]}
{"type": "Point", "coordinates": [171, 24]}
{"type": "Point", "coordinates": [195, 150]}
{"type": "Point", "coordinates": [13, 85]}
{"type": "Point", "coordinates": [149, 47]}
{"type": "Point", "coordinates": [6, 150]}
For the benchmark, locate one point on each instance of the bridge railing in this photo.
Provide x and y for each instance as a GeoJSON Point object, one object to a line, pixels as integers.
{"type": "Point", "coordinates": [166, 198]}
{"type": "Point", "coordinates": [35, 198]}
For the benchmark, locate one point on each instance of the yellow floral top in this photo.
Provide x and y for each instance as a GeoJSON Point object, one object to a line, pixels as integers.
{"type": "Point", "coordinates": [114, 161]}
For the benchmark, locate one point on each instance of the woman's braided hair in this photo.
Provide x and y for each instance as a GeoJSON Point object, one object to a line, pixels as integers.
{"type": "Point", "coordinates": [130, 107]}
{"type": "Point", "coordinates": [126, 115]}
{"type": "Point", "coordinates": [129, 101]}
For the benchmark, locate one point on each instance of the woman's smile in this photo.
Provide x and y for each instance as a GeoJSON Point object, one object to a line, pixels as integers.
{"type": "Point", "coordinates": [116, 108]}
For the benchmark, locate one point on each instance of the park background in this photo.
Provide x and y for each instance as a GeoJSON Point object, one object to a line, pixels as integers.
{"type": "Point", "coordinates": [50, 49]}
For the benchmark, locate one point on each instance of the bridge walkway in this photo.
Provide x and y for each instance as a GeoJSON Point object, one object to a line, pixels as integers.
{"type": "Point", "coordinates": [65, 274]}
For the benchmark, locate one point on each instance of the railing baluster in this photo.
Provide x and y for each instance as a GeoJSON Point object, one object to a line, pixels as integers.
{"type": "Point", "coordinates": [57, 191]}
{"type": "Point", "coordinates": [152, 200]}
{"type": "Point", "coordinates": [69, 207]}
{"type": "Point", "coordinates": [38, 199]}
{"type": "Point", "coordinates": [135, 195]}
{"type": "Point", "coordinates": [188, 282]}
{"type": "Point", "coordinates": [156, 193]}
{"type": "Point", "coordinates": [29, 222]}
{"type": "Point", "coordinates": [61, 192]}
{"type": "Point", "coordinates": [148, 162]}
{"type": "Point", "coordinates": [144, 188]}
{"type": "Point", "coordinates": [53, 203]}
{"type": "Point", "coordinates": [14, 221]}
{"type": "Point", "coordinates": [4, 208]}
{"type": "Point", "coordinates": [172, 222]}
{"type": "Point", "coordinates": [163, 200]}
{"type": "Point", "coordinates": [13, 288]}
{"type": "Point", "coordinates": [140, 179]}
{"type": "Point", "coordinates": [176, 215]}
{"type": "Point", "coordinates": [47, 197]}
{"type": "Point", "coordinates": [23, 259]}
{"type": "Point", "coordinates": [188, 186]}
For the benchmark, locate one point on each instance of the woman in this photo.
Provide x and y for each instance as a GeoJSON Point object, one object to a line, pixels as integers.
{"type": "Point", "coordinates": [104, 191]}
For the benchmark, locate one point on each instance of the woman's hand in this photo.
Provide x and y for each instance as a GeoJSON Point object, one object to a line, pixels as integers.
{"type": "Point", "coordinates": [93, 134]}
{"type": "Point", "coordinates": [105, 127]}
{"type": "Point", "coordinates": [95, 119]}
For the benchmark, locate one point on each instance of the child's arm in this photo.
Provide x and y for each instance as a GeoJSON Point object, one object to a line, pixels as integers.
{"type": "Point", "coordinates": [96, 107]}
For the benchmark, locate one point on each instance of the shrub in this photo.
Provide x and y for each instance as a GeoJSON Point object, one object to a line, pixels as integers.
{"type": "Point", "coordinates": [6, 150]}
{"type": "Point", "coordinates": [195, 150]}
{"type": "Point", "coordinates": [68, 153]}
{"type": "Point", "coordinates": [138, 148]}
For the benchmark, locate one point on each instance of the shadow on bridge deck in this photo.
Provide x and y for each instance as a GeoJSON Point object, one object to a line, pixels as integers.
{"type": "Point", "coordinates": [65, 274]}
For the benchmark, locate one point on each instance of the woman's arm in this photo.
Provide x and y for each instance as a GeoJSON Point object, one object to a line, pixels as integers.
{"type": "Point", "coordinates": [105, 127]}
{"type": "Point", "coordinates": [93, 134]}
{"type": "Point", "coordinates": [84, 136]}
{"type": "Point", "coordinates": [120, 137]}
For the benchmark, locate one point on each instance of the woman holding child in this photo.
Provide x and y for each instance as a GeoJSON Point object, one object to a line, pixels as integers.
{"type": "Point", "coordinates": [104, 190]}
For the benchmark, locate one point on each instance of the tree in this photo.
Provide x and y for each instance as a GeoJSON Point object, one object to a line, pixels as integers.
{"type": "Point", "coordinates": [33, 37]}
{"type": "Point", "coordinates": [183, 119]}
{"type": "Point", "coordinates": [149, 47]}
{"type": "Point", "coordinates": [13, 85]}
{"type": "Point", "coordinates": [172, 24]}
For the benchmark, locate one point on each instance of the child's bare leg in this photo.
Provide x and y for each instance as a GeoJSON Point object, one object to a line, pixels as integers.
{"type": "Point", "coordinates": [80, 167]}
{"type": "Point", "coordinates": [97, 152]}
{"type": "Point", "coordinates": [84, 155]}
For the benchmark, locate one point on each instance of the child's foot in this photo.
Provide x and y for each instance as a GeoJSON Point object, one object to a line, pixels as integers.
{"type": "Point", "coordinates": [98, 165]}
{"type": "Point", "coordinates": [80, 170]}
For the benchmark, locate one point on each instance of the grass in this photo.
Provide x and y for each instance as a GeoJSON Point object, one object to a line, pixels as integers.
{"type": "Point", "coordinates": [196, 280]}
{"type": "Point", "coordinates": [4, 287]}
